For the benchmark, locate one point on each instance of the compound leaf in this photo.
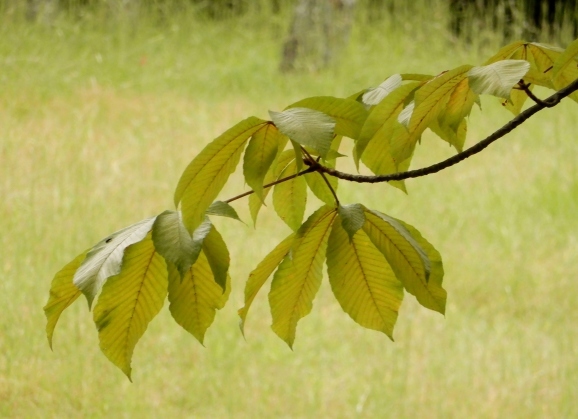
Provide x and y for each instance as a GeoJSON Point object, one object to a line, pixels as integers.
{"type": "Point", "coordinates": [565, 69]}
{"type": "Point", "coordinates": [362, 280]}
{"type": "Point", "coordinates": [129, 301]}
{"type": "Point", "coordinates": [105, 258]}
{"type": "Point", "coordinates": [206, 175]}
{"type": "Point", "coordinates": [298, 278]}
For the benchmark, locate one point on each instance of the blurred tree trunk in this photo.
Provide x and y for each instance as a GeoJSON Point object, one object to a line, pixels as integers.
{"type": "Point", "coordinates": [319, 30]}
{"type": "Point", "coordinates": [41, 10]}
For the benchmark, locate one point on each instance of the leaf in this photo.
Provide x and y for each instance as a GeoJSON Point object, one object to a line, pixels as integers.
{"type": "Point", "coordinates": [290, 197]}
{"type": "Point", "coordinates": [362, 280]}
{"type": "Point", "coordinates": [405, 115]}
{"type": "Point", "coordinates": [406, 257]}
{"type": "Point", "coordinates": [298, 278]}
{"type": "Point", "coordinates": [223, 209]}
{"type": "Point", "coordinates": [307, 127]}
{"type": "Point", "coordinates": [261, 273]}
{"type": "Point", "coordinates": [455, 138]}
{"type": "Point", "coordinates": [62, 294]}
{"type": "Point", "coordinates": [105, 258]}
{"type": "Point", "coordinates": [459, 105]}
{"type": "Point", "coordinates": [565, 69]}
{"type": "Point", "coordinates": [382, 120]}
{"type": "Point", "coordinates": [516, 101]}
{"type": "Point", "coordinates": [416, 77]}
{"type": "Point", "coordinates": [195, 299]}
{"type": "Point", "coordinates": [173, 241]}
{"type": "Point", "coordinates": [217, 254]}
{"type": "Point", "coordinates": [206, 175]}
{"type": "Point", "coordinates": [375, 95]}
{"type": "Point", "coordinates": [498, 78]}
{"type": "Point", "coordinates": [129, 301]}
{"type": "Point", "coordinates": [348, 114]}
{"type": "Point", "coordinates": [260, 154]}
{"type": "Point", "coordinates": [352, 218]}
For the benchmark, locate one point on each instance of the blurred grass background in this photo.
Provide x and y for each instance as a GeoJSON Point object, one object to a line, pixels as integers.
{"type": "Point", "coordinates": [98, 118]}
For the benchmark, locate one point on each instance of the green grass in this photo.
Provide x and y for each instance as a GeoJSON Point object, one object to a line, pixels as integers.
{"type": "Point", "coordinates": [98, 122]}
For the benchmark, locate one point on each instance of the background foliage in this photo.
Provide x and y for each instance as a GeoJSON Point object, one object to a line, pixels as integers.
{"type": "Point", "coordinates": [99, 122]}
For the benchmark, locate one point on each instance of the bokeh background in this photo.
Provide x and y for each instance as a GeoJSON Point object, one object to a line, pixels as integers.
{"type": "Point", "coordinates": [103, 104]}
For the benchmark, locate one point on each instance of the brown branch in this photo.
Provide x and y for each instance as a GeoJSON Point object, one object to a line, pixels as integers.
{"type": "Point", "coordinates": [510, 126]}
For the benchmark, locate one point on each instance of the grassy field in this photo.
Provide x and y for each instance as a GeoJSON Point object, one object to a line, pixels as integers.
{"type": "Point", "coordinates": [98, 120]}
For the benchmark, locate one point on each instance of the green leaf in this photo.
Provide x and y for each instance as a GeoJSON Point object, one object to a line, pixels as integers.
{"type": "Point", "coordinates": [129, 301]}
{"type": "Point", "coordinates": [298, 278]}
{"type": "Point", "coordinates": [173, 241]}
{"type": "Point", "coordinates": [105, 258]}
{"type": "Point", "coordinates": [456, 138]}
{"type": "Point", "coordinates": [362, 280]}
{"type": "Point", "coordinates": [206, 175]}
{"type": "Point", "coordinates": [352, 218]}
{"type": "Point", "coordinates": [416, 77]}
{"type": "Point", "coordinates": [406, 257]}
{"type": "Point", "coordinates": [498, 78]}
{"type": "Point", "coordinates": [261, 273]}
{"type": "Point", "coordinates": [260, 154]}
{"type": "Point", "coordinates": [290, 197]}
{"type": "Point", "coordinates": [516, 101]}
{"type": "Point", "coordinates": [195, 299]}
{"type": "Point", "coordinates": [459, 106]}
{"type": "Point", "coordinates": [306, 127]}
{"type": "Point", "coordinates": [62, 294]}
{"type": "Point", "coordinates": [348, 114]}
{"type": "Point", "coordinates": [217, 254]}
{"type": "Point", "coordinates": [375, 95]}
{"type": "Point", "coordinates": [565, 69]}
{"type": "Point", "coordinates": [223, 209]}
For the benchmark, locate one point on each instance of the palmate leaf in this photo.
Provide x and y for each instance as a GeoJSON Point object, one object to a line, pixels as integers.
{"type": "Point", "coordinates": [290, 197]}
{"type": "Point", "coordinates": [62, 294]}
{"type": "Point", "coordinates": [206, 175]}
{"type": "Point", "coordinates": [565, 69]}
{"type": "Point", "coordinates": [407, 258]}
{"type": "Point", "coordinates": [348, 114]}
{"type": "Point", "coordinates": [129, 301]}
{"type": "Point", "coordinates": [497, 78]}
{"type": "Point", "coordinates": [362, 280]}
{"type": "Point", "coordinates": [261, 273]}
{"type": "Point", "coordinates": [306, 127]}
{"type": "Point", "coordinates": [195, 299]}
{"type": "Point", "coordinates": [259, 155]}
{"type": "Point", "coordinates": [298, 278]}
{"type": "Point", "coordinates": [105, 258]}
{"type": "Point", "coordinates": [173, 241]}
{"type": "Point", "coordinates": [217, 255]}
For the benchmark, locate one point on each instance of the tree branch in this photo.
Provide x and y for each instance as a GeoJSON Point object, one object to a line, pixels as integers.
{"type": "Point", "coordinates": [510, 126]}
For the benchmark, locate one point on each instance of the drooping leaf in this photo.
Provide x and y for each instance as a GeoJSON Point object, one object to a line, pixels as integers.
{"type": "Point", "coordinates": [565, 69]}
{"type": "Point", "coordinates": [318, 184]}
{"type": "Point", "coordinates": [261, 273]}
{"type": "Point", "coordinates": [307, 127]}
{"type": "Point", "coordinates": [259, 155]}
{"type": "Point", "coordinates": [362, 280]}
{"type": "Point", "coordinates": [105, 258]}
{"type": "Point", "coordinates": [352, 218]}
{"type": "Point", "coordinates": [348, 114]}
{"type": "Point", "coordinates": [195, 299]}
{"type": "Point", "coordinates": [407, 258]}
{"type": "Point", "coordinates": [497, 78]}
{"type": "Point", "coordinates": [456, 138]}
{"type": "Point", "coordinates": [290, 197]}
{"type": "Point", "coordinates": [63, 293]}
{"type": "Point", "coordinates": [223, 209]}
{"type": "Point", "coordinates": [217, 254]}
{"type": "Point", "coordinates": [516, 101]}
{"type": "Point", "coordinates": [129, 301]}
{"type": "Point", "coordinates": [299, 276]}
{"type": "Point", "coordinates": [206, 175]}
{"type": "Point", "coordinates": [173, 241]}
{"type": "Point", "coordinates": [459, 106]}
{"type": "Point", "coordinates": [375, 95]}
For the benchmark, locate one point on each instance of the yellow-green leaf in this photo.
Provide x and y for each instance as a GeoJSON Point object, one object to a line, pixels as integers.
{"type": "Point", "coordinates": [217, 254]}
{"type": "Point", "coordinates": [290, 197]}
{"type": "Point", "coordinates": [205, 176]}
{"type": "Point", "coordinates": [63, 293]}
{"type": "Point", "coordinates": [459, 105]}
{"type": "Point", "coordinates": [455, 137]}
{"type": "Point", "coordinates": [129, 301]}
{"type": "Point", "coordinates": [299, 276]}
{"type": "Point", "coordinates": [349, 115]}
{"type": "Point", "coordinates": [259, 156]}
{"type": "Point", "coordinates": [497, 78]}
{"type": "Point", "coordinates": [516, 101]}
{"type": "Point", "coordinates": [223, 209]}
{"type": "Point", "coordinates": [352, 218]}
{"type": "Point", "coordinates": [195, 299]}
{"type": "Point", "coordinates": [362, 280]}
{"type": "Point", "coordinates": [565, 69]}
{"type": "Point", "coordinates": [261, 273]}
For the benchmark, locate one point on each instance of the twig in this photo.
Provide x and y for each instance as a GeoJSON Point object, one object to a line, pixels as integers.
{"type": "Point", "coordinates": [526, 89]}
{"type": "Point", "coordinates": [309, 158]}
